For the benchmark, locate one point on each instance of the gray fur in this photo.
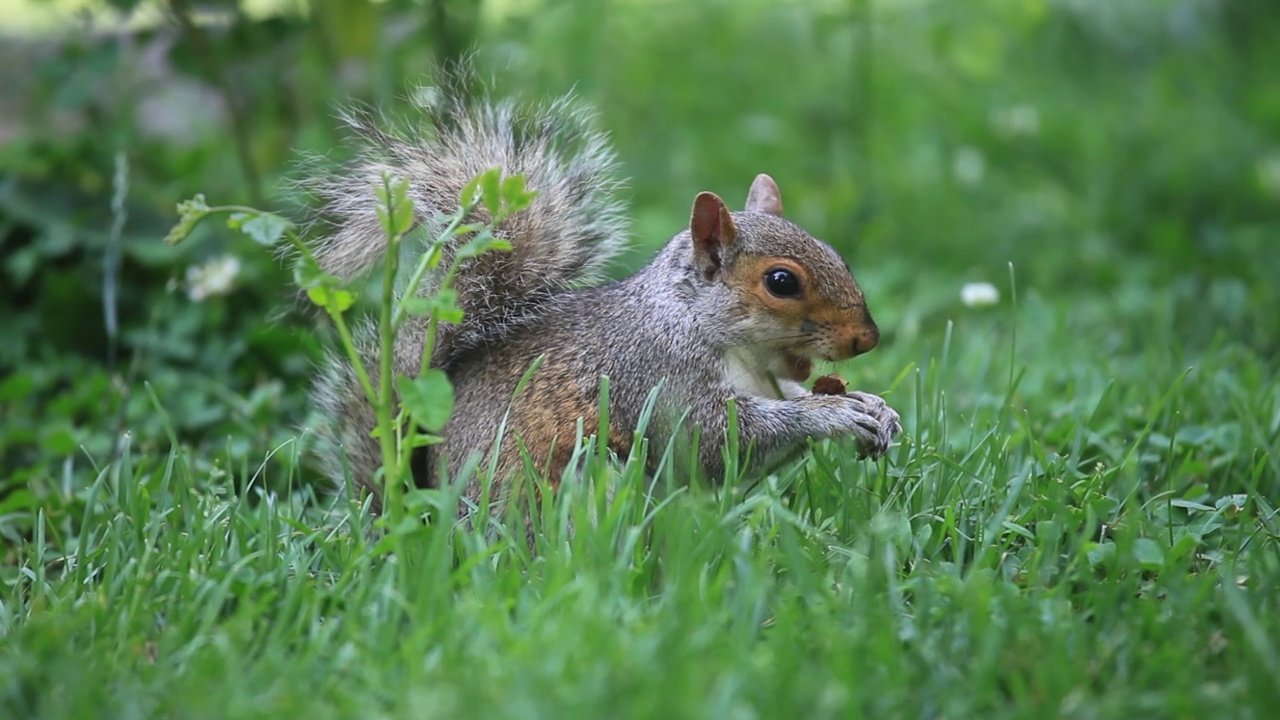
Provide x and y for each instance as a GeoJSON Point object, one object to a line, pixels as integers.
{"type": "Point", "coordinates": [669, 324]}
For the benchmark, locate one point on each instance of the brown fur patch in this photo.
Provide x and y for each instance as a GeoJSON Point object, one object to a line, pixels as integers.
{"type": "Point", "coordinates": [835, 321]}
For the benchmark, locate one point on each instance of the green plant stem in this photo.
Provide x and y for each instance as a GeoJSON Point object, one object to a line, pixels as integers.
{"type": "Point", "coordinates": [433, 324]}
{"type": "Point", "coordinates": [398, 317]}
{"type": "Point", "coordinates": [389, 429]}
{"type": "Point", "coordinates": [424, 265]}
{"type": "Point", "coordinates": [344, 333]}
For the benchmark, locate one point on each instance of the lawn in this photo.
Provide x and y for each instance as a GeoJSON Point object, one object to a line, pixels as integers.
{"type": "Point", "coordinates": [1079, 520]}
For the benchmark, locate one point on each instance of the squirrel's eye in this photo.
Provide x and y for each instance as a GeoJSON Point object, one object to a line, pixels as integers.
{"type": "Point", "coordinates": [782, 283]}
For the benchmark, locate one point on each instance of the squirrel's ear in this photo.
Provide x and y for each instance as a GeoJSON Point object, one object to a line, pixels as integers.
{"type": "Point", "coordinates": [712, 230]}
{"type": "Point", "coordinates": [764, 196]}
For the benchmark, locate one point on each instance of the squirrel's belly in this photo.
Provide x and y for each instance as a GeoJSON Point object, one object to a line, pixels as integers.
{"type": "Point", "coordinates": [747, 373]}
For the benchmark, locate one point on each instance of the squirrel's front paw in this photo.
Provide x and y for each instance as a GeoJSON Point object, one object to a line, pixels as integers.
{"type": "Point", "coordinates": [879, 426]}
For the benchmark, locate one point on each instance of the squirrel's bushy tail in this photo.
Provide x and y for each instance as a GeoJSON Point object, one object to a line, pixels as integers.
{"type": "Point", "coordinates": [565, 238]}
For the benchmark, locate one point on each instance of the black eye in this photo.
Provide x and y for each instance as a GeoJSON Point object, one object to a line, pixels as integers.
{"type": "Point", "coordinates": [782, 283]}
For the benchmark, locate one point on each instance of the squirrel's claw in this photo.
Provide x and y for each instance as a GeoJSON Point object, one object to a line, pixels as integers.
{"type": "Point", "coordinates": [881, 426]}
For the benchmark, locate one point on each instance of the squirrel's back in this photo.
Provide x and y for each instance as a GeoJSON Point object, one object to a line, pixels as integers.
{"type": "Point", "coordinates": [574, 227]}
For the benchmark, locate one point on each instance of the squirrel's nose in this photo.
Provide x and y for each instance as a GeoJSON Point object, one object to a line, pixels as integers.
{"type": "Point", "coordinates": [866, 339]}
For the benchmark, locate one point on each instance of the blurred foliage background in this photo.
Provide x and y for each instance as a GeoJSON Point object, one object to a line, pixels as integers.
{"type": "Point", "coordinates": [1123, 156]}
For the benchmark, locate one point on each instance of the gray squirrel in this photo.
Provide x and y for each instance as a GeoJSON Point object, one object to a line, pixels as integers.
{"type": "Point", "coordinates": [737, 305]}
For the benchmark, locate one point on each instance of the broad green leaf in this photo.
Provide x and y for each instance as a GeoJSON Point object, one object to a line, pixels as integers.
{"type": "Point", "coordinates": [190, 213]}
{"type": "Point", "coordinates": [332, 298]}
{"type": "Point", "coordinates": [444, 304]}
{"type": "Point", "coordinates": [490, 185]}
{"type": "Point", "coordinates": [482, 243]}
{"type": "Point", "coordinates": [514, 196]}
{"type": "Point", "coordinates": [264, 228]}
{"type": "Point", "coordinates": [1149, 554]}
{"type": "Point", "coordinates": [452, 314]}
{"type": "Point", "coordinates": [17, 386]}
{"type": "Point", "coordinates": [307, 274]}
{"type": "Point", "coordinates": [58, 440]}
{"type": "Point", "coordinates": [394, 208]}
{"type": "Point", "coordinates": [470, 194]}
{"type": "Point", "coordinates": [1101, 553]}
{"type": "Point", "coordinates": [403, 219]}
{"type": "Point", "coordinates": [428, 397]}
{"type": "Point", "coordinates": [425, 439]}
{"type": "Point", "coordinates": [415, 305]}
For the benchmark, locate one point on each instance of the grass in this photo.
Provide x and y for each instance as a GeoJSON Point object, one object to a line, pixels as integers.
{"type": "Point", "coordinates": [1079, 521]}
{"type": "Point", "coordinates": [1065, 532]}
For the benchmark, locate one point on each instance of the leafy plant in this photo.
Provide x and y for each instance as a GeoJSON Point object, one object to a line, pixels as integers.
{"type": "Point", "coordinates": [422, 403]}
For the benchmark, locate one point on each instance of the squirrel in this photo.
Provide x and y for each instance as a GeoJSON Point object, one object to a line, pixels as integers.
{"type": "Point", "coordinates": [736, 305]}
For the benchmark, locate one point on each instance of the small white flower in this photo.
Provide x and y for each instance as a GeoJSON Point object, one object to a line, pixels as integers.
{"type": "Point", "coordinates": [969, 166]}
{"type": "Point", "coordinates": [979, 294]}
{"type": "Point", "coordinates": [212, 278]}
{"type": "Point", "coordinates": [1268, 170]}
{"type": "Point", "coordinates": [1016, 121]}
